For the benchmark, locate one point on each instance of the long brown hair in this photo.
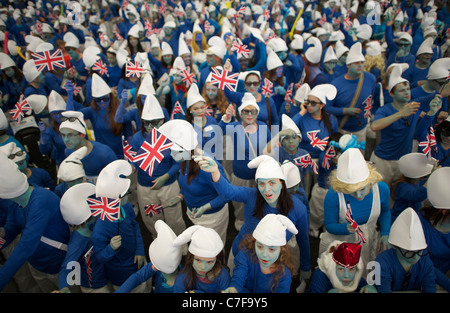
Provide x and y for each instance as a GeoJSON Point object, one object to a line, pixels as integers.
{"type": "Point", "coordinates": [193, 169]}
{"type": "Point", "coordinates": [222, 102]}
{"type": "Point", "coordinates": [116, 128]}
{"type": "Point", "coordinates": [190, 281]}
{"type": "Point", "coordinates": [432, 214]}
{"type": "Point", "coordinates": [270, 75]}
{"type": "Point", "coordinates": [285, 260]}
{"type": "Point", "coordinates": [284, 203]}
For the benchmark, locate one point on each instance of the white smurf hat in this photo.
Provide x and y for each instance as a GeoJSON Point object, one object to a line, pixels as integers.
{"type": "Point", "coordinates": [439, 69]}
{"type": "Point", "coordinates": [146, 86]}
{"type": "Point", "coordinates": [273, 61]}
{"type": "Point", "coordinates": [205, 242]}
{"type": "Point", "coordinates": [292, 174]}
{"type": "Point", "coordinates": [181, 133]}
{"type": "Point", "coordinates": [152, 110]}
{"type": "Point", "coordinates": [99, 87]}
{"type": "Point", "coordinates": [78, 125]}
{"type": "Point", "coordinates": [56, 102]}
{"type": "Point", "coordinates": [407, 232]}
{"type": "Point", "coordinates": [355, 54]}
{"type": "Point", "coordinates": [396, 78]}
{"type": "Point", "coordinates": [248, 99]}
{"type": "Point", "coordinates": [193, 96]}
{"type": "Point", "coordinates": [37, 102]}
{"type": "Point", "coordinates": [415, 165]}
{"type": "Point", "coordinates": [110, 184]}
{"type": "Point", "coordinates": [266, 167]}
{"type": "Point", "coordinates": [73, 206]}
{"type": "Point", "coordinates": [17, 181]}
{"type": "Point", "coordinates": [30, 71]}
{"type": "Point", "coordinates": [288, 123]}
{"type": "Point", "coordinates": [271, 230]}
{"type": "Point", "coordinates": [352, 167]}
{"type": "Point", "coordinates": [324, 92]}
{"type": "Point", "coordinates": [72, 168]}
{"type": "Point", "coordinates": [163, 254]}
{"type": "Point", "coordinates": [12, 148]}
{"type": "Point", "coordinates": [437, 188]}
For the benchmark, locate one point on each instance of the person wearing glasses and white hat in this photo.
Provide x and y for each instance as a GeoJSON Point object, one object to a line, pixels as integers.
{"type": "Point", "coordinates": [73, 133]}
{"type": "Point", "coordinates": [406, 266]}
{"type": "Point", "coordinates": [435, 224]}
{"type": "Point", "coordinates": [44, 233]}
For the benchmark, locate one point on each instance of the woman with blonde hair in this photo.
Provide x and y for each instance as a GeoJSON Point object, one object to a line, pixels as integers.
{"type": "Point", "coordinates": [356, 203]}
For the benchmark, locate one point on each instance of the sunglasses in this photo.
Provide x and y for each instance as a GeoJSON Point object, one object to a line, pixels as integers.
{"type": "Point", "coordinates": [312, 103]}
{"type": "Point", "coordinates": [71, 119]}
{"type": "Point", "coordinates": [102, 99]}
{"type": "Point", "coordinates": [255, 84]}
{"type": "Point", "coordinates": [248, 112]}
{"type": "Point", "coordinates": [18, 154]}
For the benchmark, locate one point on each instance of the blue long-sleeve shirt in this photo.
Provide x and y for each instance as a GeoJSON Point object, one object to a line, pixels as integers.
{"type": "Point", "coordinates": [320, 283]}
{"type": "Point", "coordinates": [40, 217]}
{"type": "Point", "coordinates": [408, 196]}
{"type": "Point", "coordinates": [119, 264]}
{"type": "Point", "coordinates": [40, 177]}
{"type": "Point", "coordinates": [221, 282]}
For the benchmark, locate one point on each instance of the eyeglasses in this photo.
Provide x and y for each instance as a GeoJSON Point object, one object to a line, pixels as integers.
{"type": "Point", "coordinates": [410, 254]}
{"type": "Point", "coordinates": [254, 84]}
{"type": "Point", "coordinates": [312, 103]}
{"type": "Point", "coordinates": [248, 112]}
{"type": "Point", "coordinates": [71, 119]}
{"type": "Point", "coordinates": [18, 154]}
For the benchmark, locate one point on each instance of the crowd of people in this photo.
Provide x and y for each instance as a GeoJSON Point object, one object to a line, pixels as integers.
{"type": "Point", "coordinates": [324, 119]}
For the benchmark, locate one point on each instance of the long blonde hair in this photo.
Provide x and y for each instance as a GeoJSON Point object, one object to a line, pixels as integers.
{"type": "Point", "coordinates": [338, 186]}
{"type": "Point", "coordinates": [375, 61]}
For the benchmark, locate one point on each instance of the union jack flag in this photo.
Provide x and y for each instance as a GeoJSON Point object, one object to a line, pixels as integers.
{"type": "Point", "coordinates": [316, 142]}
{"type": "Point", "coordinates": [304, 161]}
{"type": "Point", "coordinates": [49, 61]}
{"type": "Point", "coordinates": [39, 27]}
{"type": "Point", "coordinates": [88, 261]}
{"type": "Point", "coordinates": [162, 9]}
{"type": "Point", "coordinates": [267, 88]}
{"type": "Point", "coordinates": [177, 109]}
{"type": "Point", "coordinates": [329, 155]}
{"type": "Point", "coordinates": [103, 38]}
{"type": "Point", "coordinates": [322, 20]}
{"type": "Point", "coordinates": [128, 152]}
{"type": "Point", "coordinates": [266, 14]}
{"type": "Point", "coordinates": [133, 69]}
{"type": "Point", "coordinates": [222, 79]}
{"type": "Point", "coordinates": [153, 209]}
{"type": "Point", "coordinates": [428, 145]}
{"type": "Point", "coordinates": [347, 22]}
{"type": "Point", "coordinates": [149, 28]}
{"type": "Point", "coordinates": [152, 151]}
{"type": "Point", "coordinates": [19, 110]}
{"type": "Point", "coordinates": [104, 207]}
{"type": "Point", "coordinates": [369, 104]}
{"type": "Point", "coordinates": [76, 89]}
{"type": "Point", "coordinates": [2, 242]}
{"type": "Point", "coordinates": [209, 112]}
{"type": "Point", "coordinates": [288, 95]}
{"type": "Point", "coordinates": [101, 67]}
{"type": "Point", "coordinates": [118, 35]}
{"type": "Point", "coordinates": [207, 26]}
{"type": "Point", "coordinates": [188, 76]}
{"type": "Point", "coordinates": [240, 48]}
{"type": "Point", "coordinates": [352, 222]}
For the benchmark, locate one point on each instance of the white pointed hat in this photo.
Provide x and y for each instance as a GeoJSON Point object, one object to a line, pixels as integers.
{"type": "Point", "coordinates": [37, 102]}
{"type": "Point", "coordinates": [91, 55]}
{"type": "Point", "coordinates": [437, 188]}
{"type": "Point", "coordinates": [291, 173]}
{"type": "Point", "coordinates": [204, 242]}
{"type": "Point", "coordinates": [12, 148]}
{"type": "Point", "coordinates": [341, 49]}
{"type": "Point", "coordinates": [56, 102]}
{"type": "Point", "coordinates": [407, 232]}
{"type": "Point", "coordinates": [3, 120]}
{"type": "Point", "coordinates": [373, 48]}
{"type": "Point", "coordinates": [17, 181]}
{"type": "Point", "coordinates": [72, 168]}
{"type": "Point", "coordinates": [248, 99]}
{"type": "Point", "coordinates": [6, 61]}
{"type": "Point", "coordinates": [324, 92]}
{"type": "Point", "coordinates": [439, 69]}
{"type": "Point", "coordinates": [182, 46]}
{"type": "Point", "coordinates": [288, 123]}
{"type": "Point", "coordinates": [266, 167]}
{"type": "Point", "coordinates": [314, 52]}
{"type": "Point", "coordinates": [73, 206]}
{"type": "Point", "coordinates": [181, 133]}
{"type": "Point", "coordinates": [166, 49]}
{"type": "Point", "coordinates": [297, 42]}
{"type": "Point", "coordinates": [178, 65]}
{"type": "Point", "coordinates": [71, 40]}
{"type": "Point", "coordinates": [329, 55]}
{"type": "Point", "coordinates": [152, 110]}
{"type": "Point", "coordinates": [415, 165]}
{"type": "Point", "coordinates": [396, 78]}
{"type": "Point", "coordinates": [273, 61]}
{"type": "Point", "coordinates": [30, 71]}
{"type": "Point", "coordinates": [78, 125]}
{"type": "Point", "coordinates": [146, 86]}
{"type": "Point", "coordinates": [271, 230]}
{"type": "Point", "coordinates": [355, 54]}
{"type": "Point", "coordinates": [352, 167]}
{"type": "Point", "coordinates": [193, 96]}
{"type": "Point", "coordinates": [134, 31]}
{"type": "Point", "coordinates": [163, 254]}
{"type": "Point", "coordinates": [110, 184]}
{"type": "Point", "coordinates": [364, 32]}
{"type": "Point", "coordinates": [99, 87]}
{"type": "Point", "coordinates": [302, 93]}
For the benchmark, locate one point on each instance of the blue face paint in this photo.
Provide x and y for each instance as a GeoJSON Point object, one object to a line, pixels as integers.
{"type": "Point", "coordinates": [103, 102]}
{"type": "Point", "coordinates": [267, 255]}
{"type": "Point", "coordinates": [279, 72]}
{"type": "Point", "coordinates": [203, 265]}
{"type": "Point", "coordinates": [22, 165]}
{"type": "Point", "coordinates": [270, 189]}
{"type": "Point", "coordinates": [290, 143]}
{"type": "Point", "coordinates": [345, 275]}
{"type": "Point", "coordinates": [71, 138]}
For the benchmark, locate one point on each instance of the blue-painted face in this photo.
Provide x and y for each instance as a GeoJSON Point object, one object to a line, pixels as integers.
{"type": "Point", "coordinates": [279, 72]}
{"type": "Point", "coordinates": [203, 265]}
{"type": "Point", "coordinates": [177, 79]}
{"type": "Point", "coordinates": [402, 93]}
{"type": "Point", "coordinates": [267, 255]}
{"type": "Point", "coordinates": [71, 138]}
{"type": "Point", "coordinates": [9, 72]}
{"type": "Point", "coordinates": [270, 189]}
{"type": "Point", "coordinates": [73, 54]}
{"type": "Point", "coordinates": [75, 182]}
{"type": "Point", "coordinates": [103, 102]}
{"type": "Point", "coordinates": [211, 60]}
{"type": "Point", "coordinates": [345, 275]}
{"type": "Point", "coordinates": [282, 55]}
{"type": "Point", "coordinates": [22, 165]}
{"type": "Point", "coordinates": [356, 68]}
{"type": "Point", "coordinates": [211, 91]}
{"type": "Point", "coordinates": [362, 193]}
{"type": "Point", "coordinates": [408, 257]}
{"type": "Point", "coordinates": [167, 58]}
{"type": "Point", "coordinates": [57, 116]}
{"type": "Point", "coordinates": [290, 143]}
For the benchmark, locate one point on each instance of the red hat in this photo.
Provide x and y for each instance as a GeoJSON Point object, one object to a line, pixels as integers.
{"type": "Point", "coordinates": [347, 254]}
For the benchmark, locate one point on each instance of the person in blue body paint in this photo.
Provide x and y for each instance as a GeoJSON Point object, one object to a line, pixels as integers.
{"type": "Point", "coordinates": [161, 187]}
{"type": "Point", "coordinates": [204, 269]}
{"type": "Point", "coordinates": [264, 263]}
{"type": "Point", "coordinates": [73, 133]}
{"type": "Point", "coordinates": [44, 233]}
{"type": "Point", "coordinates": [340, 270]}
{"type": "Point", "coordinates": [72, 47]}
{"type": "Point", "coordinates": [270, 196]}
{"type": "Point", "coordinates": [419, 70]}
{"type": "Point", "coordinates": [409, 190]}
{"type": "Point", "coordinates": [435, 225]}
{"type": "Point", "coordinates": [164, 265]}
{"type": "Point", "coordinates": [407, 265]}
{"type": "Point", "coordinates": [118, 243]}
{"type": "Point", "coordinates": [35, 80]}
{"type": "Point", "coordinates": [76, 212]}
{"type": "Point", "coordinates": [14, 82]}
